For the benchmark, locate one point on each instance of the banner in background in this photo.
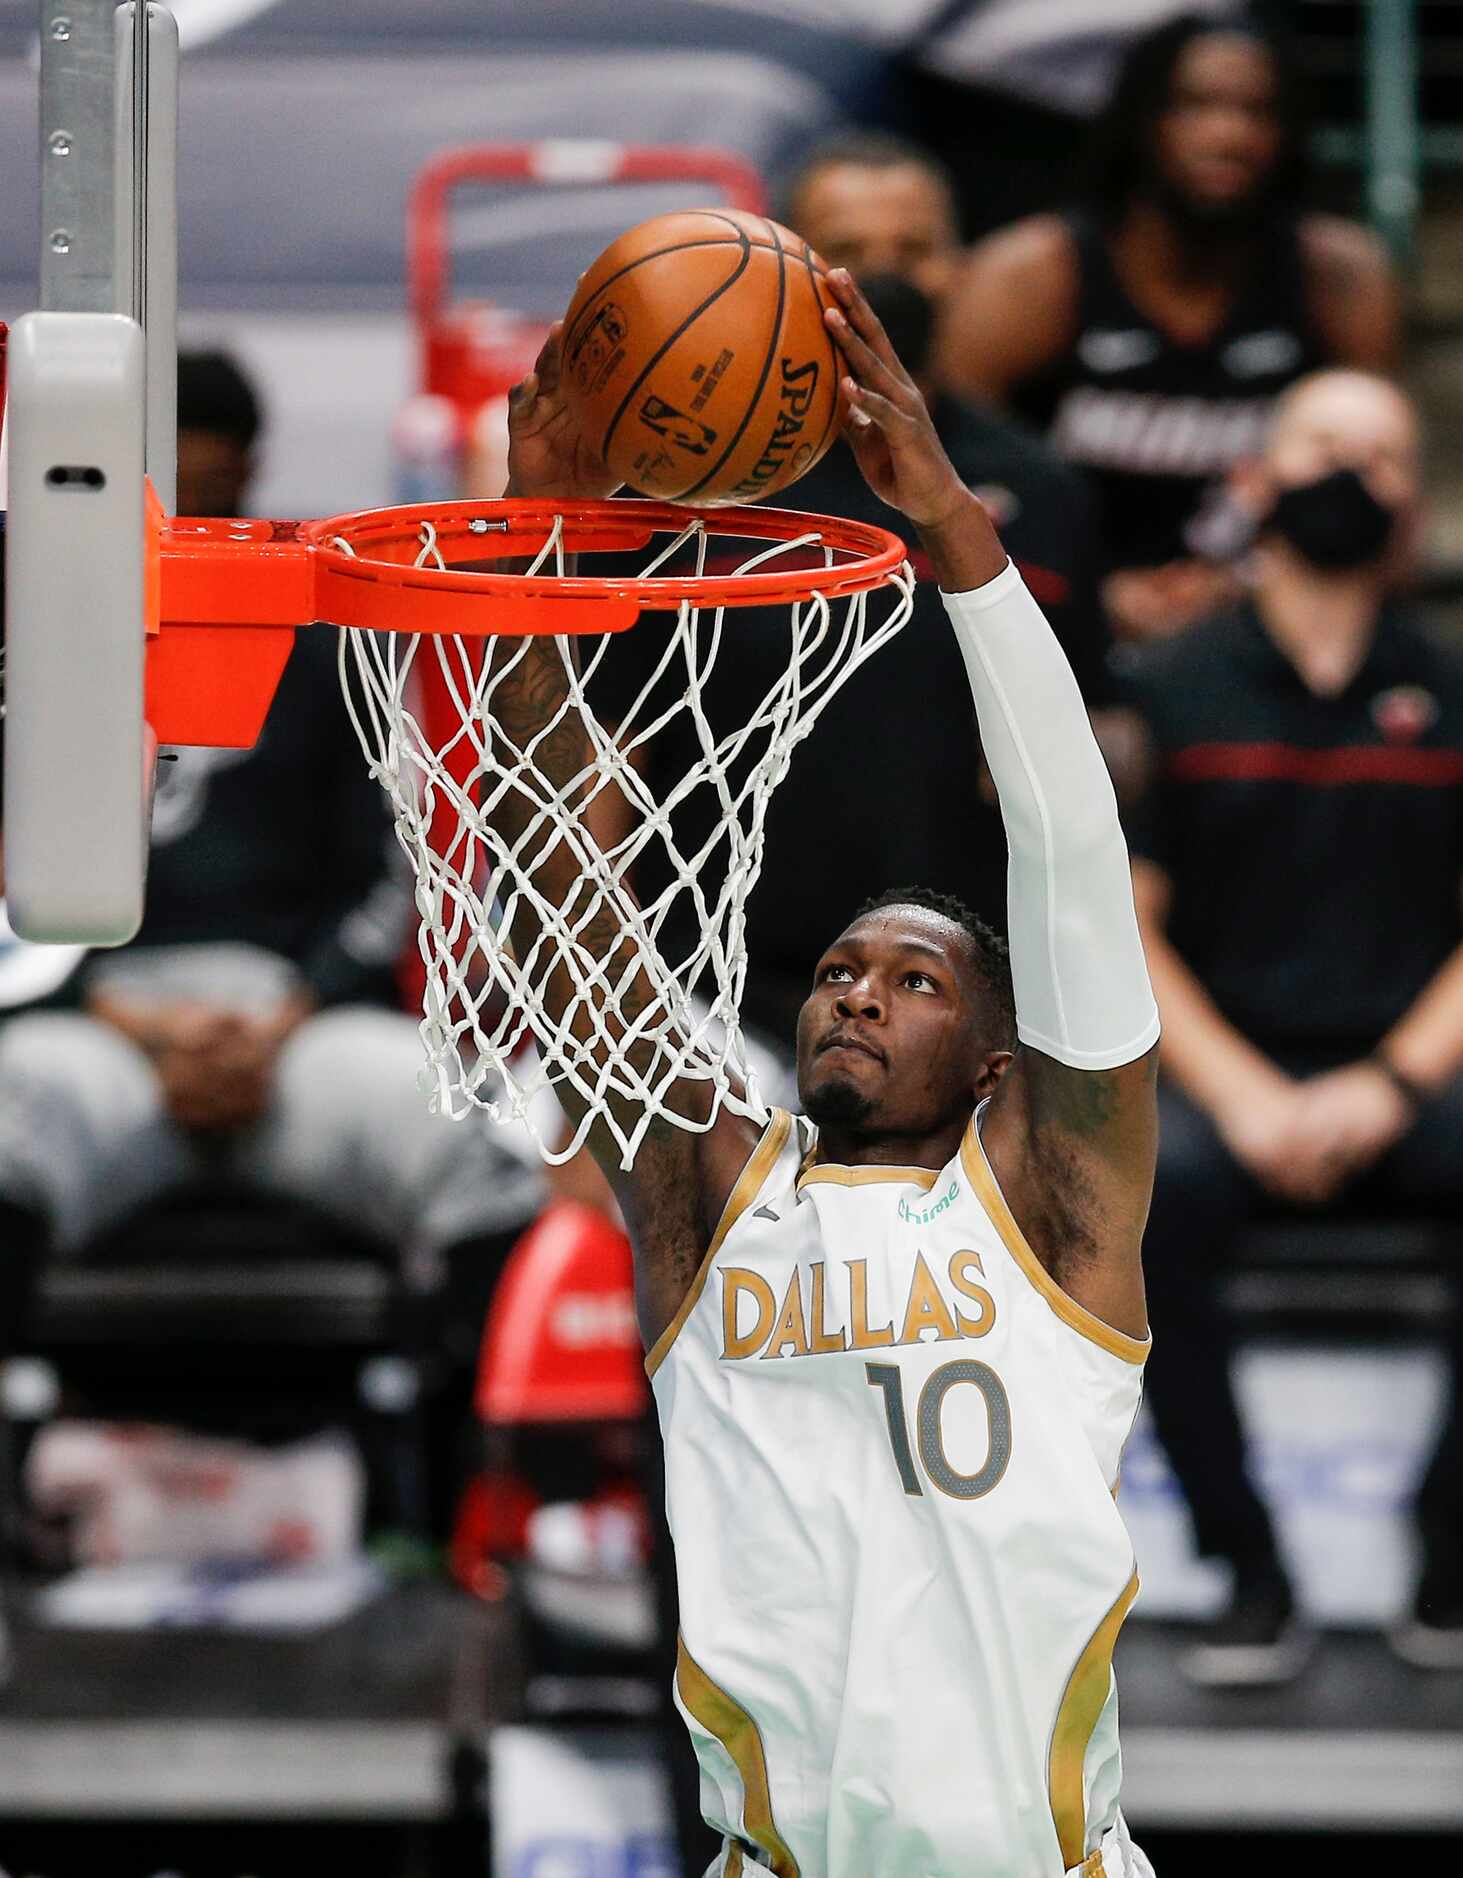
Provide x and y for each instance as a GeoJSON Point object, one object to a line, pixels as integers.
{"type": "Point", "coordinates": [578, 1803]}
{"type": "Point", "coordinates": [1338, 1441]}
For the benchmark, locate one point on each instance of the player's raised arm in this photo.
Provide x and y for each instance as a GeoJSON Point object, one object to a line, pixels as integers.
{"type": "Point", "coordinates": [673, 1195]}
{"type": "Point", "coordinates": [1072, 1129]}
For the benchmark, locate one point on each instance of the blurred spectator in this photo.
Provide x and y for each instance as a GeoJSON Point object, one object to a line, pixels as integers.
{"type": "Point", "coordinates": [895, 763]}
{"type": "Point", "coordinates": [218, 426]}
{"type": "Point", "coordinates": [1298, 866]}
{"type": "Point", "coordinates": [1003, 91]}
{"type": "Point", "coordinates": [1150, 331]}
{"type": "Point", "coordinates": [252, 1029]}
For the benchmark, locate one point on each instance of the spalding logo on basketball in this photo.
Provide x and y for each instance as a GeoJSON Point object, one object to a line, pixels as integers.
{"type": "Point", "coordinates": [696, 357]}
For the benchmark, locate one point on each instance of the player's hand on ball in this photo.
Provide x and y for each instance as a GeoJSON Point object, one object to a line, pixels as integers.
{"type": "Point", "coordinates": [547, 453]}
{"type": "Point", "coordinates": [888, 426]}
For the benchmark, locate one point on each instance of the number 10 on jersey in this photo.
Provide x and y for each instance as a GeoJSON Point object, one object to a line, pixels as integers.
{"type": "Point", "coordinates": [929, 1426]}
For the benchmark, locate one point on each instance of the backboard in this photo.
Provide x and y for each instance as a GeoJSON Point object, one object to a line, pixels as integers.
{"type": "Point", "coordinates": [91, 412]}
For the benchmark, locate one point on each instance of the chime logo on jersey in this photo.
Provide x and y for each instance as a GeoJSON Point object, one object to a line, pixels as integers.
{"type": "Point", "coordinates": [923, 1211]}
{"type": "Point", "coordinates": [824, 1309]}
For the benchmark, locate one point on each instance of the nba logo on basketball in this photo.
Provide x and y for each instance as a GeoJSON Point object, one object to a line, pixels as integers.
{"type": "Point", "coordinates": [687, 433]}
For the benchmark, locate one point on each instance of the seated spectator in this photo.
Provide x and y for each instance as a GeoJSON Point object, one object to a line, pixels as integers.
{"type": "Point", "coordinates": [895, 761]}
{"type": "Point", "coordinates": [1297, 870]}
{"type": "Point", "coordinates": [252, 1029]}
{"type": "Point", "coordinates": [1004, 92]}
{"type": "Point", "coordinates": [1149, 332]}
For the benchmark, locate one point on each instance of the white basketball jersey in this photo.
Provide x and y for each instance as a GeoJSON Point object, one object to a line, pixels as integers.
{"type": "Point", "coordinates": [892, 1444]}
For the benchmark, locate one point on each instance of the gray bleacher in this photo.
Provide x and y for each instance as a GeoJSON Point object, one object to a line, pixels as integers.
{"type": "Point", "coordinates": [303, 121]}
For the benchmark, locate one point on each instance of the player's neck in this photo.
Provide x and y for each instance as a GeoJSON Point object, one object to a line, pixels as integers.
{"type": "Point", "coordinates": [1323, 623]}
{"type": "Point", "coordinates": [1154, 245]}
{"type": "Point", "coordinates": [841, 1148]}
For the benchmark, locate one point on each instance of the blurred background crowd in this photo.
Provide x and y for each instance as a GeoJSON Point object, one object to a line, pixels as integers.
{"type": "Point", "coordinates": [280, 1345]}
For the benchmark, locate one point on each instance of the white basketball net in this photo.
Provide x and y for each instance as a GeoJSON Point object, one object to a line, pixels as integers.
{"type": "Point", "coordinates": [490, 1039]}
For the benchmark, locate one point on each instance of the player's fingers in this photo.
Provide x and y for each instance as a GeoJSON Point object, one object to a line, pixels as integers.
{"type": "Point", "coordinates": [869, 368]}
{"type": "Point", "coordinates": [546, 365]}
{"type": "Point", "coordinates": [863, 320]}
{"type": "Point", "coordinates": [874, 408]}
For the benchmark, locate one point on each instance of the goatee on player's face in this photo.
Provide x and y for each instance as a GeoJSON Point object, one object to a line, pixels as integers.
{"type": "Point", "coordinates": [888, 1040]}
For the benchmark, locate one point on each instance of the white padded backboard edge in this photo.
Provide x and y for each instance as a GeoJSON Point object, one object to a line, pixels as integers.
{"type": "Point", "coordinates": [77, 753]}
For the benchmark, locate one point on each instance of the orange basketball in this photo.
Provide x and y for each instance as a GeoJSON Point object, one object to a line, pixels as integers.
{"type": "Point", "coordinates": [696, 358]}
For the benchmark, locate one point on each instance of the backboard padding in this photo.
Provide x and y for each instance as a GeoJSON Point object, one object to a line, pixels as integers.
{"type": "Point", "coordinates": [78, 757]}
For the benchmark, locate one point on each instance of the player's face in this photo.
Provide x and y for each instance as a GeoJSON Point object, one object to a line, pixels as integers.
{"type": "Point", "coordinates": [213, 473]}
{"type": "Point", "coordinates": [880, 221]}
{"type": "Point", "coordinates": [890, 1040]}
{"type": "Point", "coordinates": [1220, 135]}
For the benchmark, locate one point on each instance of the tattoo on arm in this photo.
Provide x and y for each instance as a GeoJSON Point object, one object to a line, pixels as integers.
{"type": "Point", "coordinates": [1080, 1102]}
{"type": "Point", "coordinates": [1086, 1104]}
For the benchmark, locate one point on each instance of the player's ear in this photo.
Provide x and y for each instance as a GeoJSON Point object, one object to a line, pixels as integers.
{"type": "Point", "coordinates": [991, 1069]}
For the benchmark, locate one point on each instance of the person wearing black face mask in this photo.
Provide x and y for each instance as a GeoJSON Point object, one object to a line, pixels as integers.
{"type": "Point", "coordinates": [1333, 522]}
{"type": "Point", "coordinates": [1297, 868]}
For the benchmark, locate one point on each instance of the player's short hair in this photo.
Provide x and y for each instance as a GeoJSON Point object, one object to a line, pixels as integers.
{"type": "Point", "coordinates": [215, 395]}
{"type": "Point", "coordinates": [1120, 152]}
{"type": "Point", "coordinates": [989, 953]}
{"type": "Point", "coordinates": [867, 150]}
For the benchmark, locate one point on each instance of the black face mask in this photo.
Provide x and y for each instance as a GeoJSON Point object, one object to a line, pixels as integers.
{"type": "Point", "coordinates": [907, 315]}
{"type": "Point", "coordinates": [1335, 523]}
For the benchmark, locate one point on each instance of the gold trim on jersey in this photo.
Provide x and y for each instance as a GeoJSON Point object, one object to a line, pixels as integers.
{"type": "Point", "coordinates": [830, 1174]}
{"type": "Point", "coordinates": [734, 1862]}
{"type": "Point", "coordinates": [749, 1185]}
{"type": "Point", "coordinates": [978, 1172]}
{"type": "Point", "coordinates": [724, 1717]}
{"type": "Point", "coordinates": [1081, 1705]}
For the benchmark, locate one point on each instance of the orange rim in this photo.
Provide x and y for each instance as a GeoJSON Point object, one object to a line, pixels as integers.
{"type": "Point", "coordinates": [359, 570]}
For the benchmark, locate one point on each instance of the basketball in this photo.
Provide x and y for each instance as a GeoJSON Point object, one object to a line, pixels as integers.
{"type": "Point", "coordinates": [697, 361]}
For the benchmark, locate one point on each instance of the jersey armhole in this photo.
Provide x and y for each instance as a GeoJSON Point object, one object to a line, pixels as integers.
{"type": "Point", "coordinates": [979, 1173]}
{"type": "Point", "coordinates": [749, 1184]}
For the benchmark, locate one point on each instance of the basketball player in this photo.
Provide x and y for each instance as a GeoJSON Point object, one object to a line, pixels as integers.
{"type": "Point", "coordinates": [1149, 333]}
{"type": "Point", "coordinates": [897, 1346]}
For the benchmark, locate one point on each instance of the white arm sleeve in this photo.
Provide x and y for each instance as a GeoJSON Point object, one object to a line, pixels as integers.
{"type": "Point", "coordinates": [1082, 990]}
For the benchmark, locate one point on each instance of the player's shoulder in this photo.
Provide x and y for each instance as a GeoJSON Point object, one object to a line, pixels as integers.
{"type": "Point", "coordinates": [1341, 253]}
{"type": "Point", "coordinates": [1039, 252]}
{"type": "Point", "coordinates": [1013, 308]}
